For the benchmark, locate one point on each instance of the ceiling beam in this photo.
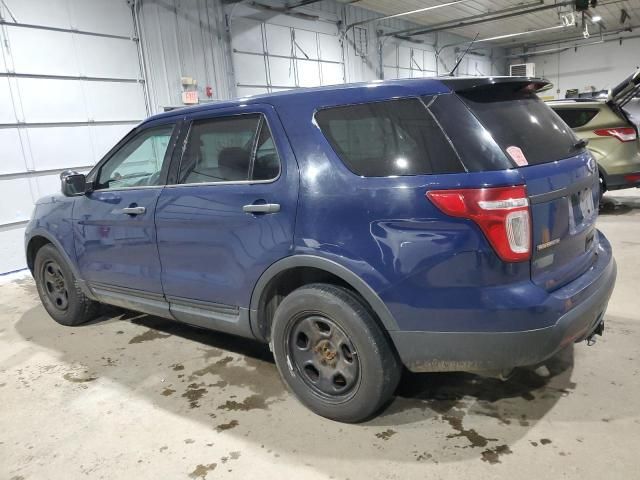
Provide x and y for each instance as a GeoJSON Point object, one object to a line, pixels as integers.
{"type": "Point", "coordinates": [403, 14]}
{"type": "Point", "coordinates": [560, 40]}
{"type": "Point", "coordinates": [409, 31]}
{"type": "Point", "coordinates": [488, 17]}
{"type": "Point", "coordinates": [302, 3]}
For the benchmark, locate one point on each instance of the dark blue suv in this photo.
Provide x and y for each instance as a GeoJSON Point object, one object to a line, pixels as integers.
{"type": "Point", "coordinates": [439, 224]}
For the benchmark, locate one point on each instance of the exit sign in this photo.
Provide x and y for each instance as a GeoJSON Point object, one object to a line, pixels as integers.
{"type": "Point", "coordinates": [190, 97]}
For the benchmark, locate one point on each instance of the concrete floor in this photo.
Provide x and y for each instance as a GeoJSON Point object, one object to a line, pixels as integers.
{"type": "Point", "coordinates": [140, 397]}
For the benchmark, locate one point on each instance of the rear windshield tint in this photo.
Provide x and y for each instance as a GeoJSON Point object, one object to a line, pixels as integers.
{"type": "Point", "coordinates": [577, 117]}
{"type": "Point", "coordinates": [521, 124]}
{"type": "Point", "coordinates": [395, 137]}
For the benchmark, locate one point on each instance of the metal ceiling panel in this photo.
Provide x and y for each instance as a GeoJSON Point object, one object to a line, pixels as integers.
{"type": "Point", "coordinates": [608, 9]}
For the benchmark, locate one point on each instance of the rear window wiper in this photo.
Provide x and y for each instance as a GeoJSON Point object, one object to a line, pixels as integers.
{"type": "Point", "coordinates": [580, 144]}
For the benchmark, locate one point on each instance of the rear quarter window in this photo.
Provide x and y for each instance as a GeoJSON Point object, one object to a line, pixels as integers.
{"type": "Point", "coordinates": [576, 117]}
{"type": "Point", "coordinates": [514, 117]}
{"type": "Point", "coordinates": [389, 138]}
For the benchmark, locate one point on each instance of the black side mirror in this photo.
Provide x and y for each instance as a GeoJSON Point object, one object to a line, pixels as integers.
{"type": "Point", "coordinates": [73, 184]}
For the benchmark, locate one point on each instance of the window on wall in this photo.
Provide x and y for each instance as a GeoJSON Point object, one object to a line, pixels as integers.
{"type": "Point", "coordinates": [229, 149]}
{"type": "Point", "coordinates": [397, 137]}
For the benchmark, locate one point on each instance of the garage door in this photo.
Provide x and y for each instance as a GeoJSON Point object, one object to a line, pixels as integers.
{"type": "Point", "coordinates": [405, 61]}
{"type": "Point", "coordinates": [69, 89]}
{"type": "Point", "coordinates": [273, 56]}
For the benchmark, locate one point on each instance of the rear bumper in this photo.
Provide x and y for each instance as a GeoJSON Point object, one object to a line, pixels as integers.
{"type": "Point", "coordinates": [423, 351]}
{"type": "Point", "coordinates": [620, 181]}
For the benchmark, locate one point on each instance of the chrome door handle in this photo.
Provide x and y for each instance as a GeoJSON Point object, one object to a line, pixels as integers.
{"type": "Point", "coordinates": [134, 210]}
{"type": "Point", "coordinates": [261, 208]}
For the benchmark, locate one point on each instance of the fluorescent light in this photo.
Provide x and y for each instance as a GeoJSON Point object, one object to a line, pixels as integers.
{"type": "Point", "coordinates": [596, 18]}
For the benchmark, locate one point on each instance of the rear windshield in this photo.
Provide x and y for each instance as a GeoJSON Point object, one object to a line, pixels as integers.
{"type": "Point", "coordinates": [576, 117]}
{"type": "Point", "coordinates": [521, 124]}
{"type": "Point", "coordinates": [395, 137]}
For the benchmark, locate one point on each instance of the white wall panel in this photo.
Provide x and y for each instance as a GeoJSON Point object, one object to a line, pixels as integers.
{"type": "Point", "coordinates": [107, 57]}
{"type": "Point", "coordinates": [250, 69]}
{"type": "Point", "coordinates": [330, 48]}
{"type": "Point", "coordinates": [332, 73]}
{"type": "Point", "coordinates": [17, 200]}
{"type": "Point", "coordinates": [404, 57]}
{"type": "Point", "coordinates": [248, 91]}
{"type": "Point", "coordinates": [52, 100]}
{"type": "Point", "coordinates": [12, 249]}
{"type": "Point", "coordinates": [307, 42]}
{"type": "Point", "coordinates": [12, 160]}
{"type": "Point", "coordinates": [417, 60]}
{"type": "Point", "coordinates": [278, 39]}
{"type": "Point", "coordinates": [112, 101]}
{"type": "Point", "coordinates": [49, 100]}
{"type": "Point", "coordinates": [7, 114]}
{"type": "Point", "coordinates": [247, 35]}
{"type": "Point", "coordinates": [390, 73]}
{"type": "Point", "coordinates": [282, 72]}
{"type": "Point", "coordinates": [42, 51]}
{"type": "Point", "coordinates": [104, 137]}
{"type": "Point", "coordinates": [430, 60]}
{"type": "Point", "coordinates": [308, 73]}
{"type": "Point", "coordinates": [48, 13]}
{"type": "Point", "coordinates": [112, 17]}
{"type": "Point", "coordinates": [61, 147]}
{"type": "Point", "coordinates": [46, 184]}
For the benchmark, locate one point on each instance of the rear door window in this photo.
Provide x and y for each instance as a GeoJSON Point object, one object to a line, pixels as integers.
{"type": "Point", "coordinates": [219, 150]}
{"type": "Point", "coordinates": [395, 137]}
{"type": "Point", "coordinates": [576, 117]}
{"type": "Point", "coordinates": [520, 122]}
{"type": "Point", "coordinates": [229, 149]}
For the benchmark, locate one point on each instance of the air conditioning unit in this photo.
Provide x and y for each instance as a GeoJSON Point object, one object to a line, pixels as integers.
{"type": "Point", "coordinates": [523, 70]}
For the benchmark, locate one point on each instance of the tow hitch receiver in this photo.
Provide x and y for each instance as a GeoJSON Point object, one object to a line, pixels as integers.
{"type": "Point", "coordinates": [591, 339]}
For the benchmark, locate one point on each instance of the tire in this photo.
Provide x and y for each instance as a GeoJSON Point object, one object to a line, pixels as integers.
{"type": "Point", "coordinates": [59, 292]}
{"type": "Point", "coordinates": [332, 354]}
{"type": "Point", "coordinates": [603, 187]}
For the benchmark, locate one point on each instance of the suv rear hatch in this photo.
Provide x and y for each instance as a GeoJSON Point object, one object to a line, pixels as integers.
{"type": "Point", "coordinates": [559, 174]}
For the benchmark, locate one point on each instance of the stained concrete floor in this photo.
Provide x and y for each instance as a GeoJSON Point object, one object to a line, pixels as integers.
{"type": "Point", "coordinates": [132, 396]}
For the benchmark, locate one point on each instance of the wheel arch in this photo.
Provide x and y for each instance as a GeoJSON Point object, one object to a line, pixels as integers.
{"type": "Point", "coordinates": [38, 239]}
{"type": "Point", "coordinates": [261, 311]}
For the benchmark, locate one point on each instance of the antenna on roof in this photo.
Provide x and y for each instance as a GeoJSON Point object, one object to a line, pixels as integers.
{"type": "Point", "coordinates": [453, 70]}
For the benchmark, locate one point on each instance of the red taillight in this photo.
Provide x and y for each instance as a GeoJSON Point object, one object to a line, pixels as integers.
{"type": "Point", "coordinates": [624, 134]}
{"type": "Point", "coordinates": [632, 178]}
{"type": "Point", "coordinates": [502, 213]}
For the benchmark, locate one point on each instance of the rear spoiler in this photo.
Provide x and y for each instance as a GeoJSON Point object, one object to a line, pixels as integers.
{"type": "Point", "coordinates": [622, 93]}
{"type": "Point", "coordinates": [468, 84]}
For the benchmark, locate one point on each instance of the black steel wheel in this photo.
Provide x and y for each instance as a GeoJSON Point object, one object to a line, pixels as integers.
{"type": "Point", "coordinates": [333, 354]}
{"type": "Point", "coordinates": [59, 292]}
{"type": "Point", "coordinates": [55, 285]}
{"type": "Point", "coordinates": [323, 356]}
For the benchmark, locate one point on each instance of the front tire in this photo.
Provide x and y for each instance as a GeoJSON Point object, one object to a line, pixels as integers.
{"type": "Point", "coordinates": [332, 354]}
{"type": "Point", "coordinates": [59, 292]}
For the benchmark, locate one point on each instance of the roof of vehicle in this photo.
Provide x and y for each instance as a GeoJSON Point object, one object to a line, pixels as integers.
{"type": "Point", "coordinates": [350, 93]}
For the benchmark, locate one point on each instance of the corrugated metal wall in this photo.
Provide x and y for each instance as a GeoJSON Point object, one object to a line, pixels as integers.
{"type": "Point", "coordinates": [184, 38]}
{"type": "Point", "coordinates": [189, 38]}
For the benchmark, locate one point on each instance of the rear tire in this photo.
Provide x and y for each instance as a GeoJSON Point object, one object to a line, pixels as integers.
{"type": "Point", "coordinates": [59, 292]}
{"type": "Point", "coordinates": [332, 354]}
{"type": "Point", "coordinates": [603, 187]}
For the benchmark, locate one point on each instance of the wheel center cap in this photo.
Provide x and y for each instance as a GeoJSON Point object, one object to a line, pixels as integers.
{"type": "Point", "coordinates": [325, 350]}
